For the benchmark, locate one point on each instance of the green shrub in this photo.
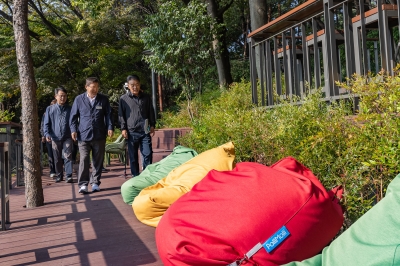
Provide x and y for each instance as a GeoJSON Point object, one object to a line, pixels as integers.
{"type": "Point", "coordinates": [361, 152]}
{"type": "Point", "coordinates": [6, 115]}
{"type": "Point", "coordinates": [240, 70]}
{"type": "Point", "coordinates": [179, 117]}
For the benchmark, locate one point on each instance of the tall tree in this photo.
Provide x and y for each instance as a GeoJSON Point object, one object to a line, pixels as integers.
{"type": "Point", "coordinates": [258, 17]}
{"type": "Point", "coordinates": [258, 13]}
{"type": "Point", "coordinates": [216, 11]}
{"type": "Point", "coordinates": [237, 21]}
{"type": "Point", "coordinates": [74, 40]}
{"type": "Point", "coordinates": [179, 37]}
{"type": "Point", "coordinates": [30, 129]}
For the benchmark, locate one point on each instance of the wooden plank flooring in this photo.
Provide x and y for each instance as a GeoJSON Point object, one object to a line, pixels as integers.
{"type": "Point", "coordinates": [72, 229]}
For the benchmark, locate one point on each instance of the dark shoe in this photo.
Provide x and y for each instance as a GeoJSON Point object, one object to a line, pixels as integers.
{"type": "Point", "coordinates": [104, 170]}
{"type": "Point", "coordinates": [59, 179]}
{"type": "Point", "coordinates": [69, 179]}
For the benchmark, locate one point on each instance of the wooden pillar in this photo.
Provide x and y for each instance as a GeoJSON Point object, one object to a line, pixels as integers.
{"type": "Point", "coordinates": [154, 91]}
{"type": "Point", "coordinates": [253, 70]}
{"type": "Point", "coordinates": [160, 93]}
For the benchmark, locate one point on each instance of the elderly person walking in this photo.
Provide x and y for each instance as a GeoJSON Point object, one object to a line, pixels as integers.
{"type": "Point", "coordinates": [48, 145]}
{"type": "Point", "coordinates": [57, 131]}
{"type": "Point", "coordinates": [137, 118]}
{"type": "Point", "coordinates": [90, 124]}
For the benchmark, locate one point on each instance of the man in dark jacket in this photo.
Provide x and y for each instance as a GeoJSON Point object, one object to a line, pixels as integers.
{"type": "Point", "coordinates": [50, 156]}
{"type": "Point", "coordinates": [90, 124]}
{"type": "Point", "coordinates": [136, 115]}
{"type": "Point", "coordinates": [56, 129]}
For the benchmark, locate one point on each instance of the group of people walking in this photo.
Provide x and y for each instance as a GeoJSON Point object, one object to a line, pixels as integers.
{"type": "Point", "coordinates": [89, 121]}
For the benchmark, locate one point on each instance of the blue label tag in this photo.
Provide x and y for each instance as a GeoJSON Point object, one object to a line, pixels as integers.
{"type": "Point", "coordinates": [276, 239]}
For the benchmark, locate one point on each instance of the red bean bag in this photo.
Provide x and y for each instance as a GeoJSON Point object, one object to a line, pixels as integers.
{"type": "Point", "coordinates": [274, 215]}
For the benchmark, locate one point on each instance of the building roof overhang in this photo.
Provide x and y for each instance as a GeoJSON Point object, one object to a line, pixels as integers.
{"type": "Point", "coordinates": [294, 16]}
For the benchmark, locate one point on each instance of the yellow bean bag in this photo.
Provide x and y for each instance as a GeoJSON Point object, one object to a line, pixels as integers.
{"type": "Point", "coordinates": [151, 203]}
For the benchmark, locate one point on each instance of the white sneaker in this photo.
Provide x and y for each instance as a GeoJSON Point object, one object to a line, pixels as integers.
{"type": "Point", "coordinates": [83, 190]}
{"type": "Point", "coordinates": [95, 188]}
{"type": "Point", "coordinates": [52, 175]}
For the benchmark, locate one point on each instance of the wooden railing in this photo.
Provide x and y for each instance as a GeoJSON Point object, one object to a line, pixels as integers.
{"type": "Point", "coordinates": [331, 44]}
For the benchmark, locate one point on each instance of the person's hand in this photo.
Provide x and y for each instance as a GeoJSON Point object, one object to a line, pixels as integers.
{"type": "Point", "coordinates": [152, 131]}
{"type": "Point", "coordinates": [125, 134]}
{"type": "Point", "coordinates": [44, 139]}
{"type": "Point", "coordinates": [48, 139]}
{"type": "Point", "coordinates": [74, 136]}
{"type": "Point", "coordinates": [110, 133]}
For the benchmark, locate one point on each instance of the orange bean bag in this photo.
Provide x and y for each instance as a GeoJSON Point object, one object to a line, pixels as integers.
{"type": "Point", "coordinates": [151, 203]}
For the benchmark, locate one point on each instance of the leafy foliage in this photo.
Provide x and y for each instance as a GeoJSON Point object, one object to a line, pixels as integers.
{"type": "Point", "coordinates": [359, 152]}
{"type": "Point", "coordinates": [179, 38]}
{"type": "Point", "coordinates": [86, 38]}
{"type": "Point", "coordinates": [5, 115]}
{"type": "Point", "coordinates": [103, 48]}
{"type": "Point", "coordinates": [75, 39]}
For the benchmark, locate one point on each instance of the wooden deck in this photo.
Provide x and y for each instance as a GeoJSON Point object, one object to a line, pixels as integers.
{"type": "Point", "coordinates": [73, 229]}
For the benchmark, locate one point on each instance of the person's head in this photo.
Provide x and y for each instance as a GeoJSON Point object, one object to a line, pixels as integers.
{"type": "Point", "coordinates": [92, 86]}
{"type": "Point", "coordinates": [60, 95]}
{"type": "Point", "coordinates": [134, 84]}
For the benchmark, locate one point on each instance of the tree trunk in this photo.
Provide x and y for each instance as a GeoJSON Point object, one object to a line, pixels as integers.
{"type": "Point", "coordinates": [258, 18]}
{"type": "Point", "coordinates": [258, 13]}
{"type": "Point", "coordinates": [245, 29]}
{"type": "Point", "coordinates": [30, 128]}
{"type": "Point", "coordinates": [219, 45]}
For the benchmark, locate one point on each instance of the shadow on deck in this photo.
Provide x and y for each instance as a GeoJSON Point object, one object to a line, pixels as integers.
{"type": "Point", "coordinates": [73, 229]}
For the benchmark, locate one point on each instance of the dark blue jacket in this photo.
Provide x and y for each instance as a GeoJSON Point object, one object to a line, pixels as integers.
{"type": "Point", "coordinates": [56, 122]}
{"type": "Point", "coordinates": [91, 123]}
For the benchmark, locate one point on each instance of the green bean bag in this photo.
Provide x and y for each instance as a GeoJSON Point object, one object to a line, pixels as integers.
{"type": "Point", "coordinates": [154, 172]}
{"type": "Point", "coordinates": [374, 239]}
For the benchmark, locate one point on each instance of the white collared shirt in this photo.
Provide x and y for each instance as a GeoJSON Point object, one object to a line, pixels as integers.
{"type": "Point", "coordinates": [91, 100]}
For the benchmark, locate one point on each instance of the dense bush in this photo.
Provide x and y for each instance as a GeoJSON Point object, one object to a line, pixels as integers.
{"type": "Point", "coordinates": [5, 115]}
{"type": "Point", "coordinates": [359, 152]}
{"type": "Point", "coordinates": [240, 70]}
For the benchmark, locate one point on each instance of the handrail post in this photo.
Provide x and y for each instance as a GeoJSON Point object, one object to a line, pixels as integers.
{"type": "Point", "coordinates": [19, 165]}
{"type": "Point", "coordinates": [5, 185]}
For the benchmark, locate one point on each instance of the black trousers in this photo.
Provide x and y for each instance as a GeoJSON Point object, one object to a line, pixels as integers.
{"type": "Point", "coordinates": [96, 148]}
{"type": "Point", "coordinates": [50, 158]}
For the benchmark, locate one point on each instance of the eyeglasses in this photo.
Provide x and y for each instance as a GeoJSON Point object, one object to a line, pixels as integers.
{"type": "Point", "coordinates": [62, 96]}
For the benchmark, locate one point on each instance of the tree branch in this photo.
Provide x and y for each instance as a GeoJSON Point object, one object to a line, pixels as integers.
{"type": "Point", "coordinates": [50, 26]}
{"type": "Point", "coordinates": [62, 18]}
{"type": "Point", "coordinates": [223, 9]}
{"type": "Point", "coordinates": [72, 8]}
{"type": "Point", "coordinates": [10, 19]}
{"type": "Point", "coordinates": [6, 16]}
{"type": "Point", "coordinates": [8, 5]}
{"type": "Point", "coordinates": [40, 6]}
{"type": "Point", "coordinates": [5, 22]}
